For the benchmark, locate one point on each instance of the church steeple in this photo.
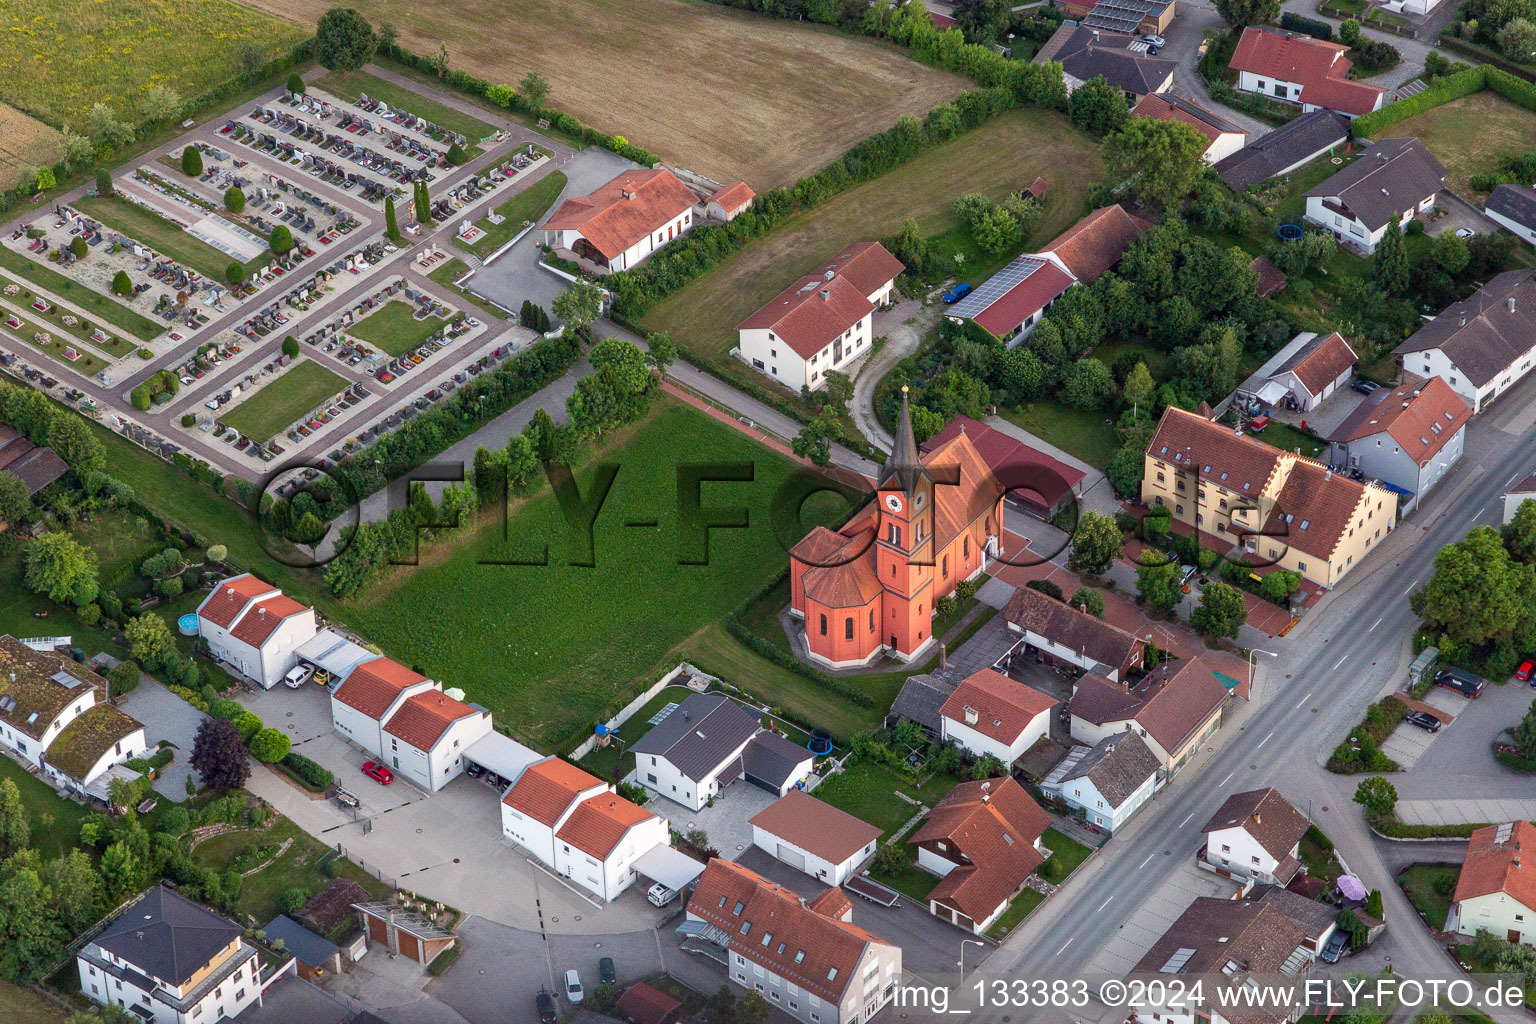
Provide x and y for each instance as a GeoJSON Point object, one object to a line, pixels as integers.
{"type": "Point", "coordinates": [904, 465]}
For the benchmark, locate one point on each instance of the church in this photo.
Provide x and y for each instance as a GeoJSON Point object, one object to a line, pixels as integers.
{"type": "Point", "coordinates": [871, 586]}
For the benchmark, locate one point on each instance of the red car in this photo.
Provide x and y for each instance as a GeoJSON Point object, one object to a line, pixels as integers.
{"type": "Point", "coordinates": [1526, 669]}
{"type": "Point", "coordinates": [378, 773]}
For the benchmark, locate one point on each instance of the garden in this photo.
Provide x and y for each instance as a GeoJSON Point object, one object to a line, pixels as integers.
{"type": "Point", "coordinates": [1471, 136]}
{"type": "Point", "coordinates": [393, 328]}
{"type": "Point", "coordinates": [1430, 888]}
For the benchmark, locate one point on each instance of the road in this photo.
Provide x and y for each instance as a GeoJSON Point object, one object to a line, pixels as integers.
{"type": "Point", "coordinates": [1350, 650]}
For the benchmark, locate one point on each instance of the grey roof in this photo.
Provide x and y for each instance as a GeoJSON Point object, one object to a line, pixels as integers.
{"type": "Point", "coordinates": [1086, 53]}
{"type": "Point", "coordinates": [1481, 335]}
{"type": "Point", "coordinates": [1391, 176]}
{"type": "Point", "coordinates": [700, 735]}
{"type": "Point", "coordinates": [1284, 149]}
{"type": "Point", "coordinates": [1312, 917]}
{"type": "Point", "coordinates": [1117, 766]}
{"type": "Point", "coordinates": [996, 286]}
{"type": "Point", "coordinates": [904, 466]}
{"type": "Point", "coordinates": [921, 698]}
{"type": "Point", "coordinates": [167, 936]}
{"type": "Point", "coordinates": [1515, 202]}
{"type": "Point", "coordinates": [1123, 15]}
{"type": "Point", "coordinates": [310, 949]}
{"type": "Point", "coordinates": [772, 758]}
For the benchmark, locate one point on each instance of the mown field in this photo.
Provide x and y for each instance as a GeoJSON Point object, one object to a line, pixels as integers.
{"type": "Point", "coordinates": [58, 57]}
{"type": "Point", "coordinates": [278, 404]}
{"type": "Point", "coordinates": [25, 142]}
{"type": "Point", "coordinates": [1001, 156]}
{"type": "Point", "coordinates": [1469, 135]}
{"type": "Point", "coordinates": [722, 92]}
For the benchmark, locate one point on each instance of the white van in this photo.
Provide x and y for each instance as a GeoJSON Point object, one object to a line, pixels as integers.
{"type": "Point", "coordinates": [660, 895]}
{"type": "Point", "coordinates": [296, 677]}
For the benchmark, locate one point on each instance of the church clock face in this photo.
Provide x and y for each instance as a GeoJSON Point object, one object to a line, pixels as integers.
{"type": "Point", "coordinates": [893, 502]}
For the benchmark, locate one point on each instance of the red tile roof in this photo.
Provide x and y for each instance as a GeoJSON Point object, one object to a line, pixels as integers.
{"type": "Point", "coordinates": [1004, 707]}
{"type": "Point", "coordinates": [1319, 67]}
{"type": "Point", "coordinates": [1164, 107]}
{"type": "Point", "coordinates": [1420, 418]}
{"type": "Point", "coordinates": [1038, 289]}
{"type": "Point", "coordinates": [1315, 507]}
{"type": "Point", "coordinates": [231, 596]}
{"type": "Point", "coordinates": [1494, 867]}
{"type": "Point", "coordinates": [1096, 243]}
{"type": "Point", "coordinates": [600, 822]}
{"type": "Point", "coordinates": [732, 198]}
{"type": "Point", "coordinates": [546, 789]}
{"type": "Point", "coordinates": [996, 825]}
{"type": "Point", "coordinates": [625, 210]}
{"type": "Point", "coordinates": [262, 621]}
{"type": "Point", "coordinates": [812, 312]}
{"type": "Point", "coordinates": [373, 686]}
{"type": "Point", "coordinates": [1322, 362]}
{"type": "Point", "coordinates": [1011, 460]}
{"type": "Point", "coordinates": [424, 717]}
{"type": "Point", "coordinates": [833, 903]}
{"type": "Point", "coordinates": [646, 1005]}
{"type": "Point", "coordinates": [816, 827]}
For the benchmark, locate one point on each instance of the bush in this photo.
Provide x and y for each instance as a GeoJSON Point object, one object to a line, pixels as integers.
{"type": "Point", "coordinates": [89, 615]}
{"type": "Point", "coordinates": [446, 959]}
{"type": "Point", "coordinates": [191, 162]}
{"type": "Point", "coordinates": [1047, 588]}
{"type": "Point", "coordinates": [122, 285]}
{"type": "Point", "coordinates": [314, 776]}
{"type": "Point", "coordinates": [124, 678]}
{"type": "Point", "coordinates": [269, 746]}
{"type": "Point", "coordinates": [1310, 26]}
{"type": "Point", "coordinates": [248, 723]}
{"type": "Point", "coordinates": [291, 901]}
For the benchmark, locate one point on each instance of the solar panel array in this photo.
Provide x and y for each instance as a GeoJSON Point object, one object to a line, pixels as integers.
{"type": "Point", "coordinates": [996, 286]}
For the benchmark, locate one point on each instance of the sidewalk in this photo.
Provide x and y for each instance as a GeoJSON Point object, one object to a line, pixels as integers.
{"type": "Point", "coordinates": [1463, 812]}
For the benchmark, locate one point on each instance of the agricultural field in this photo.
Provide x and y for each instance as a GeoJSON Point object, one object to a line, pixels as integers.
{"type": "Point", "coordinates": [25, 142]}
{"type": "Point", "coordinates": [1001, 156]}
{"type": "Point", "coordinates": [799, 95]}
{"type": "Point", "coordinates": [393, 329]}
{"type": "Point", "coordinates": [287, 398]}
{"type": "Point", "coordinates": [58, 57]}
{"type": "Point", "coordinates": [1470, 135]}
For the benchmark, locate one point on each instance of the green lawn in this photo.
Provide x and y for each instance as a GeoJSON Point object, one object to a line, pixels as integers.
{"type": "Point", "coordinates": [527, 205]}
{"type": "Point", "coordinates": [55, 822]}
{"type": "Point", "coordinates": [116, 345]}
{"type": "Point", "coordinates": [393, 329]}
{"type": "Point", "coordinates": [1022, 906]}
{"type": "Point", "coordinates": [74, 292]}
{"type": "Point", "coordinates": [868, 791]}
{"type": "Point", "coordinates": [301, 865]}
{"type": "Point", "coordinates": [450, 272]}
{"type": "Point", "coordinates": [87, 363]}
{"type": "Point", "coordinates": [603, 761]}
{"type": "Point", "coordinates": [346, 85]}
{"type": "Point", "coordinates": [275, 406]}
{"type": "Point", "coordinates": [163, 236]}
{"type": "Point", "coordinates": [120, 539]}
{"type": "Point", "coordinates": [910, 880]}
{"type": "Point", "coordinates": [1082, 433]}
{"type": "Point", "coordinates": [1469, 136]}
{"type": "Point", "coordinates": [1419, 885]}
{"type": "Point", "coordinates": [1288, 438]}
{"type": "Point", "coordinates": [23, 1006]}
{"type": "Point", "coordinates": [1067, 855]}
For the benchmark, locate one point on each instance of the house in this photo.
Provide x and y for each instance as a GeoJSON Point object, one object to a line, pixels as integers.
{"type": "Point", "coordinates": [1288, 147]}
{"type": "Point", "coordinates": [1299, 69]}
{"type": "Point", "coordinates": [579, 827]}
{"type": "Point", "coordinates": [1012, 301]}
{"type": "Point", "coordinates": [1036, 482]}
{"type": "Point", "coordinates": [811, 836]}
{"type": "Point", "coordinates": [369, 696]}
{"type": "Point", "coordinates": [404, 933]}
{"type": "Point", "coordinates": [1391, 182]}
{"type": "Point", "coordinates": [1108, 781]}
{"type": "Point", "coordinates": [1482, 345]}
{"type": "Point", "coordinates": [1282, 509]}
{"type": "Point", "coordinates": [729, 200]}
{"type": "Point", "coordinates": [625, 220]}
{"type": "Point", "coordinates": [1316, 919]}
{"type": "Point", "coordinates": [1175, 708]}
{"type": "Point", "coordinates": [36, 467]}
{"type": "Point", "coordinates": [1407, 437]}
{"type": "Point", "coordinates": [1055, 632]}
{"type": "Point", "coordinates": [1514, 207]}
{"type": "Point", "coordinates": [1145, 17]}
{"type": "Point", "coordinates": [992, 715]}
{"type": "Point", "coordinates": [427, 735]}
{"type": "Point", "coordinates": [1255, 835]}
{"type": "Point", "coordinates": [1496, 891]}
{"type": "Point", "coordinates": [696, 751]}
{"type": "Point", "coordinates": [1089, 248]}
{"type": "Point", "coordinates": [823, 321]}
{"type": "Point", "coordinates": [54, 715]}
{"type": "Point", "coordinates": [316, 956]}
{"type": "Point", "coordinates": [983, 840]}
{"type": "Point", "coordinates": [809, 962]}
{"type": "Point", "coordinates": [253, 627]}
{"type": "Point", "coordinates": [920, 700]}
{"type": "Point", "coordinates": [1086, 53]}
{"type": "Point", "coordinates": [1222, 137]}
{"type": "Point", "coordinates": [1517, 495]}
{"type": "Point", "coordinates": [172, 961]}
{"type": "Point", "coordinates": [871, 586]}
{"type": "Point", "coordinates": [1309, 369]}
{"type": "Point", "coordinates": [643, 1004]}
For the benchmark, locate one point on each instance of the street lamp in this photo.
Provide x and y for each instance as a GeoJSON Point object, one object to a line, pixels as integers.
{"type": "Point", "coordinates": [963, 943]}
{"type": "Point", "coordinates": [1251, 652]}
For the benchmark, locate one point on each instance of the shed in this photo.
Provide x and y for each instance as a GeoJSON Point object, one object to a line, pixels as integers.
{"type": "Point", "coordinates": [314, 954]}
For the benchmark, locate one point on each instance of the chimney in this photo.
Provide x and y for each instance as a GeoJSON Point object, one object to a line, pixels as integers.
{"type": "Point", "coordinates": [828, 275]}
{"type": "Point", "coordinates": [1463, 321]}
{"type": "Point", "coordinates": [1258, 818]}
{"type": "Point", "coordinates": [825, 294]}
{"type": "Point", "coordinates": [971, 715]}
{"type": "Point", "coordinates": [1327, 475]}
{"type": "Point", "coordinates": [986, 797]}
{"type": "Point", "coordinates": [1510, 302]}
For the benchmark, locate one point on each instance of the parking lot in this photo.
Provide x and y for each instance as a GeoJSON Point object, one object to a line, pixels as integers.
{"type": "Point", "coordinates": [1184, 884]}
{"type": "Point", "coordinates": [1409, 742]}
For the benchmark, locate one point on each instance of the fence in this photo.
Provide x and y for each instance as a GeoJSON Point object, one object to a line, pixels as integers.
{"type": "Point", "coordinates": [341, 851]}
{"type": "Point", "coordinates": [628, 711]}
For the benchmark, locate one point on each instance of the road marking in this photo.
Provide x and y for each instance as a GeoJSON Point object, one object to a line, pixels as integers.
{"type": "Point", "coordinates": [1224, 781]}
{"type": "Point", "coordinates": [1411, 586]}
{"type": "Point", "coordinates": [1337, 664]}
{"type": "Point", "coordinates": [1264, 740]}
{"type": "Point", "coordinates": [1479, 513]}
{"type": "Point", "coordinates": [1191, 814]}
{"type": "Point", "coordinates": [1143, 864]}
{"type": "Point", "coordinates": [1374, 625]}
{"type": "Point", "coordinates": [1104, 904]}
{"type": "Point", "coordinates": [1511, 480]}
{"type": "Point", "coordinates": [1303, 700]}
{"type": "Point", "coordinates": [1064, 946]}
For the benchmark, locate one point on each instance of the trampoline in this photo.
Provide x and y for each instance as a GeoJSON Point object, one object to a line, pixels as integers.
{"type": "Point", "coordinates": [1289, 232]}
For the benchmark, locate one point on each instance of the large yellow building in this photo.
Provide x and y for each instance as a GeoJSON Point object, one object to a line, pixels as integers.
{"type": "Point", "coordinates": [1281, 508]}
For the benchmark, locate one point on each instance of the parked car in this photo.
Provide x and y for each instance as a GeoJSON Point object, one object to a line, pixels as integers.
{"type": "Point", "coordinates": [1335, 948]}
{"type": "Point", "coordinates": [296, 677]}
{"type": "Point", "coordinates": [1424, 720]}
{"type": "Point", "coordinates": [1465, 232]}
{"type": "Point", "coordinates": [660, 895]}
{"type": "Point", "coordinates": [1526, 670]}
{"type": "Point", "coordinates": [473, 770]}
{"type": "Point", "coordinates": [958, 292]}
{"type": "Point", "coordinates": [1364, 386]}
{"type": "Point", "coordinates": [573, 989]}
{"type": "Point", "coordinates": [545, 1004]}
{"type": "Point", "coordinates": [1462, 681]}
{"type": "Point", "coordinates": [378, 773]}
{"type": "Point", "coordinates": [322, 677]}
{"type": "Point", "coordinates": [1154, 40]}
{"type": "Point", "coordinates": [605, 971]}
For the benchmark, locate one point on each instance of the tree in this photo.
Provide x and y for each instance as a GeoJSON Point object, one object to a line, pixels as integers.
{"type": "Point", "coordinates": [73, 442]}
{"type": "Point", "coordinates": [1389, 266]}
{"type": "Point", "coordinates": [814, 442]}
{"type": "Point", "coordinates": [1435, 64]}
{"type": "Point", "coordinates": [391, 226]}
{"type": "Point", "coordinates": [104, 128]}
{"type": "Point", "coordinates": [30, 935]}
{"type": "Point", "coordinates": [1139, 388]}
{"type": "Point", "coordinates": [753, 1008]}
{"type": "Point", "coordinates": [661, 349]}
{"type": "Point", "coordinates": [1125, 471]}
{"type": "Point", "coordinates": [1349, 31]}
{"type": "Point", "coordinates": [1241, 13]}
{"type": "Point", "coordinates": [121, 283]}
{"type": "Point", "coordinates": [77, 247]}
{"type": "Point", "coordinates": [234, 273]}
{"type": "Point", "coordinates": [440, 62]}
{"type": "Point", "coordinates": [1376, 795]}
{"type": "Point", "coordinates": [250, 58]}
{"type": "Point", "coordinates": [149, 640]}
{"type": "Point", "coordinates": [191, 162]}
{"type": "Point", "coordinates": [104, 185]}
{"type": "Point", "coordinates": [387, 35]}
{"type": "Point", "coordinates": [123, 872]}
{"type": "Point", "coordinates": [15, 499]}
{"type": "Point", "coordinates": [1519, 534]}
{"type": "Point", "coordinates": [76, 888]}
{"type": "Point", "coordinates": [269, 746]}
{"type": "Point", "coordinates": [521, 461]}
{"type": "Point", "coordinates": [15, 827]}
{"type": "Point", "coordinates": [296, 83]}
{"type": "Point", "coordinates": [1450, 252]}
{"type": "Point", "coordinates": [1517, 39]}
{"type": "Point", "coordinates": [234, 199]}
{"type": "Point", "coordinates": [1098, 106]}
{"type": "Point", "coordinates": [344, 41]}
{"type": "Point", "coordinates": [1161, 161]}
{"type": "Point", "coordinates": [282, 239]}
{"type": "Point", "coordinates": [1477, 594]}
{"type": "Point", "coordinates": [1088, 600]}
{"type": "Point", "coordinates": [160, 103]}
{"type": "Point", "coordinates": [1088, 384]}
{"type": "Point", "coordinates": [55, 564]}
{"type": "Point", "coordinates": [455, 154]}
{"type": "Point", "coordinates": [219, 755]}
{"type": "Point", "coordinates": [291, 347]}
{"type": "Point", "coordinates": [836, 391]}
{"type": "Point", "coordinates": [1158, 582]}
{"type": "Point", "coordinates": [1095, 543]}
{"type": "Point", "coordinates": [579, 305]}
{"type": "Point", "coordinates": [1047, 588]}
{"type": "Point", "coordinates": [534, 89]}
{"type": "Point", "coordinates": [1221, 611]}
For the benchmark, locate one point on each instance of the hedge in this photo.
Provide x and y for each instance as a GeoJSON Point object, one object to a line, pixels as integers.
{"type": "Point", "coordinates": [1389, 825]}
{"type": "Point", "coordinates": [312, 775]}
{"type": "Point", "coordinates": [1311, 26]}
{"type": "Point", "coordinates": [1466, 48]}
{"type": "Point", "coordinates": [191, 697]}
{"type": "Point", "coordinates": [1444, 90]}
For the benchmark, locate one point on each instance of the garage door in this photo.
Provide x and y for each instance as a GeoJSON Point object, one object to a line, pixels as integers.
{"type": "Point", "coordinates": [794, 858]}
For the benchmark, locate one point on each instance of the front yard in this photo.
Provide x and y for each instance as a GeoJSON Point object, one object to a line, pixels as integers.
{"type": "Point", "coordinates": [1429, 887]}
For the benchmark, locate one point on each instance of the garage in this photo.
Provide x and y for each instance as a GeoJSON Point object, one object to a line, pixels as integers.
{"type": "Point", "coordinates": [791, 856]}
{"type": "Point", "coordinates": [672, 868]}
{"type": "Point", "coordinates": [773, 763]}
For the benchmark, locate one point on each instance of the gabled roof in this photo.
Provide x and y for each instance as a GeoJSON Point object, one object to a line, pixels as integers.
{"type": "Point", "coordinates": [1526, 486]}
{"type": "Point", "coordinates": [1086, 53]}
{"type": "Point", "coordinates": [822, 305]}
{"type": "Point", "coordinates": [600, 822]}
{"type": "Point", "coordinates": [1319, 67]}
{"type": "Point", "coordinates": [700, 734]}
{"type": "Point", "coordinates": [1012, 295]}
{"type": "Point", "coordinates": [816, 827]}
{"type": "Point", "coordinates": [773, 759]}
{"type": "Point", "coordinates": [645, 1005]}
{"type": "Point", "coordinates": [1320, 362]}
{"type": "Point", "coordinates": [1165, 106]}
{"type": "Point", "coordinates": [1316, 506]}
{"type": "Point", "coordinates": [1515, 202]}
{"type": "Point", "coordinates": [1486, 333]}
{"type": "Point", "coordinates": [1313, 917]}
{"type": "Point", "coordinates": [1497, 861]}
{"type": "Point", "coordinates": [84, 741]}
{"type": "Point", "coordinates": [1421, 419]}
{"type": "Point", "coordinates": [310, 949]}
{"type": "Point", "coordinates": [424, 717]}
{"type": "Point", "coordinates": [546, 789]}
{"type": "Point", "coordinates": [374, 685]}
{"type": "Point", "coordinates": [1117, 766]}
{"type": "Point", "coordinates": [921, 698]}
{"type": "Point", "coordinates": [1056, 620]}
{"type": "Point", "coordinates": [224, 605]}
{"type": "Point", "coordinates": [732, 198]}
{"type": "Point", "coordinates": [1221, 936]}
{"type": "Point", "coordinates": [167, 936]}
{"type": "Point", "coordinates": [1266, 816]}
{"type": "Point", "coordinates": [1278, 151]}
{"type": "Point", "coordinates": [1004, 707]}
{"type": "Point", "coordinates": [36, 686]}
{"type": "Point", "coordinates": [258, 624]}
{"type": "Point", "coordinates": [1095, 244]}
{"type": "Point", "coordinates": [625, 210]}
{"type": "Point", "coordinates": [1171, 703]}
{"type": "Point", "coordinates": [996, 825]}
{"type": "Point", "coordinates": [1237, 462]}
{"type": "Point", "coordinates": [38, 468]}
{"type": "Point", "coordinates": [1391, 176]}
{"type": "Point", "coordinates": [1010, 458]}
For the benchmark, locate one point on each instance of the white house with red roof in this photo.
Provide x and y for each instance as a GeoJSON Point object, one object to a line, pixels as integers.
{"type": "Point", "coordinates": [823, 321]}
{"type": "Point", "coordinates": [253, 627]}
{"type": "Point", "coordinates": [1299, 69]}
{"type": "Point", "coordinates": [369, 696]}
{"type": "Point", "coordinates": [1496, 891]}
{"type": "Point", "coordinates": [1222, 137]}
{"type": "Point", "coordinates": [990, 714]}
{"type": "Point", "coordinates": [580, 828]}
{"type": "Point", "coordinates": [625, 220]}
{"type": "Point", "coordinates": [427, 734]}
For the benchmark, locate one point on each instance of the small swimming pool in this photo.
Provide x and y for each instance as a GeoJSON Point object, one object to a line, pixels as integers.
{"type": "Point", "coordinates": [187, 624]}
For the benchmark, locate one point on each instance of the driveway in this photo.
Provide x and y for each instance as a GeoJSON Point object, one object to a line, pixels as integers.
{"type": "Point", "coordinates": [1143, 927]}
{"type": "Point", "coordinates": [1459, 214]}
{"type": "Point", "coordinates": [725, 822]}
{"type": "Point", "coordinates": [904, 327]}
{"type": "Point", "coordinates": [1184, 36]}
{"type": "Point", "coordinates": [293, 999]}
{"type": "Point", "coordinates": [166, 717]}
